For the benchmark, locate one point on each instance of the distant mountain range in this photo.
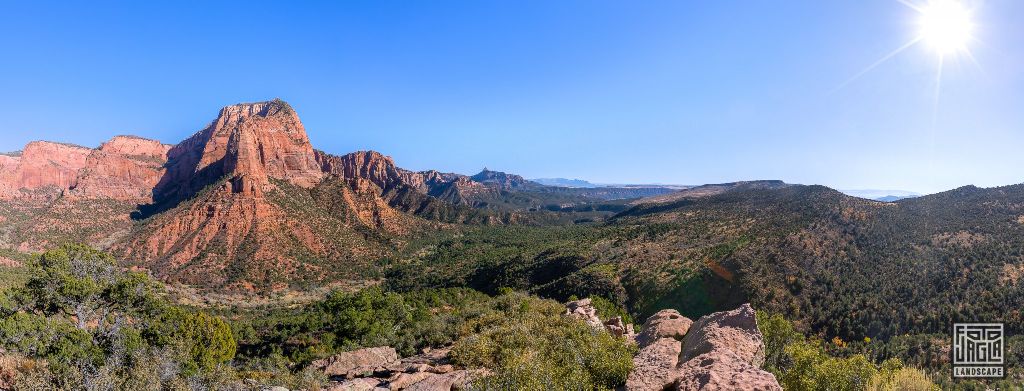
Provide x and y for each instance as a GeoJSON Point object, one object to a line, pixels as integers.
{"type": "Point", "coordinates": [881, 195]}
{"type": "Point", "coordinates": [563, 182]}
{"type": "Point", "coordinates": [580, 183]}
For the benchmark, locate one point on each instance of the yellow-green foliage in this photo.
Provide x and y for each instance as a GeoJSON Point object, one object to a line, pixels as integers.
{"type": "Point", "coordinates": [893, 377]}
{"type": "Point", "coordinates": [804, 364]}
{"type": "Point", "coordinates": [530, 345]}
{"type": "Point", "coordinates": [810, 368]}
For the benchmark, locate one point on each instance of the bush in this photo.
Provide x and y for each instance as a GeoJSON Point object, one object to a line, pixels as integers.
{"type": "Point", "coordinates": [203, 340]}
{"type": "Point", "coordinates": [902, 379]}
{"type": "Point", "coordinates": [530, 346]}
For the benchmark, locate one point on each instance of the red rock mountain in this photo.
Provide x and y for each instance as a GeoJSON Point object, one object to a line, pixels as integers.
{"type": "Point", "coordinates": [245, 202]}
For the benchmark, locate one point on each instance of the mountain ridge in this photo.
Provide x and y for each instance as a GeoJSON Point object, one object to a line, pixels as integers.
{"type": "Point", "coordinates": [248, 201]}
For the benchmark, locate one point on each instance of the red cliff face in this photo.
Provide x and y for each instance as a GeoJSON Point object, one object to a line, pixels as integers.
{"type": "Point", "coordinates": [368, 165]}
{"type": "Point", "coordinates": [43, 167]}
{"type": "Point", "coordinates": [256, 140]}
{"type": "Point", "coordinates": [125, 168]}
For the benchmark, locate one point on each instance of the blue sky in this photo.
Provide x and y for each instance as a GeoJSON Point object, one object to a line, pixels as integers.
{"type": "Point", "coordinates": [625, 92]}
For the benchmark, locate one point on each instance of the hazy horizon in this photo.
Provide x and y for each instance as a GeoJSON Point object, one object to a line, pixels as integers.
{"type": "Point", "coordinates": [659, 92]}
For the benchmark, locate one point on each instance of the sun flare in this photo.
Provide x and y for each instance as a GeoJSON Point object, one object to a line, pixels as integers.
{"type": "Point", "coordinates": [946, 26]}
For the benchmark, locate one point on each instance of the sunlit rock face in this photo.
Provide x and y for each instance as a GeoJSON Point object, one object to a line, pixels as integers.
{"type": "Point", "coordinates": [42, 170]}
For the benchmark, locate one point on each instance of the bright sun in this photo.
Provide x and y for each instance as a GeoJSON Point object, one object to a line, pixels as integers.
{"type": "Point", "coordinates": [946, 26]}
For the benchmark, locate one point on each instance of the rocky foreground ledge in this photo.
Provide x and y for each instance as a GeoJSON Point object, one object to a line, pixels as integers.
{"type": "Point", "coordinates": [720, 351]}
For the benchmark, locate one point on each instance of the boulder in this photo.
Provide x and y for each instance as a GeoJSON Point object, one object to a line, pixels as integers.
{"type": "Point", "coordinates": [618, 328]}
{"type": "Point", "coordinates": [654, 367]}
{"type": "Point", "coordinates": [457, 380]}
{"type": "Point", "coordinates": [722, 370]}
{"type": "Point", "coordinates": [734, 331]}
{"type": "Point", "coordinates": [664, 324]}
{"type": "Point", "coordinates": [402, 381]}
{"type": "Point", "coordinates": [362, 384]}
{"type": "Point", "coordinates": [431, 360]}
{"type": "Point", "coordinates": [357, 362]}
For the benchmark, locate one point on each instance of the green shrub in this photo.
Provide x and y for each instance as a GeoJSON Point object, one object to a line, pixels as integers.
{"type": "Point", "coordinates": [530, 346]}
{"type": "Point", "coordinates": [100, 327]}
{"type": "Point", "coordinates": [203, 340]}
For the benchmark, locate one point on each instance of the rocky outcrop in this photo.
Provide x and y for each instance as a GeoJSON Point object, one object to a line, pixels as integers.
{"type": "Point", "coordinates": [379, 368]}
{"type": "Point", "coordinates": [735, 331]}
{"type": "Point", "coordinates": [617, 327]}
{"type": "Point", "coordinates": [456, 380]}
{"type": "Point", "coordinates": [356, 363]}
{"type": "Point", "coordinates": [583, 310]}
{"type": "Point", "coordinates": [721, 371]}
{"type": "Point", "coordinates": [654, 367]}
{"type": "Point", "coordinates": [721, 351]}
{"type": "Point", "coordinates": [664, 324]}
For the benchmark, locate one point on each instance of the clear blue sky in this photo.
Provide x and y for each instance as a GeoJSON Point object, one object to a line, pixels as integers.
{"type": "Point", "coordinates": [670, 92]}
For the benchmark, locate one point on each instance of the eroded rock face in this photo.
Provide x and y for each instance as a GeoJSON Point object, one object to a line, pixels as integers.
{"type": "Point", "coordinates": [723, 371]}
{"type": "Point", "coordinates": [721, 351]}
{"type": "Point", "coordinates": [735, 331]}
{"type": "Point", "coordinates": [259, 140]}
{"type": "Point", "coordinates": [369, 165]}
{"type": "Point", "coordinates": [357, 362]}
{"type": "Point", "coordinates": [42, 165]}
{"type": "Point", "coordinates": [124, 168]}
{"type": "Point", "coordinates": [664, 324]}
{"type": "Point", "coordinates": [654, 367]}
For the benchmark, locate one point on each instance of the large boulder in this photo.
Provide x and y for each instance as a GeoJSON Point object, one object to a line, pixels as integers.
{"type": "Point", "coordinates": [654, 367]}
{"type": "Point", "coordinates": [735, 331]}
{"type": "Point", "coordinates": [357, 362]}
{"type": "Point", "coordinates": [664, 324]}
{"type": "Point", "coordinates": [721, 351]}
{"type": "Point", "coordinates": [723, 371]}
